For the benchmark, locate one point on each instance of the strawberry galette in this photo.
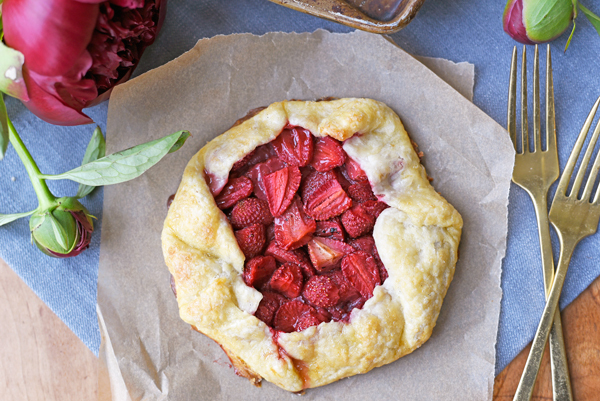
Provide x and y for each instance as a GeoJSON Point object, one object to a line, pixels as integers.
{"type": "Point", "coordinates": [308, 242]}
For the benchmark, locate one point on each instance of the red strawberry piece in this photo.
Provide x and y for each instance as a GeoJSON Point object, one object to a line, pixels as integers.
{"type": "Point", "coordinates": [361, 192]}
{"type": "Point", "coordinates": [270, 233]}
{"type": "Point", "coordinates": [341, 178]}
{"type": "Point", "coordinates": [346, 290]}
{"type": "Point", "coordinates": [258, 270]}
{"type": "Point", "coordinates": [286, 318]}
{"type": "Point", "coordinates": [243, 162]}
{"type": "Point", "coordinates": [250, 211]}
{"type": "Point", "coordinates": [235, 190]}
{"type": "Point", "coordinates": [362, 272]}
{"type": "Point", "coordinates": [374, 208]}
{"type": "Point", "coordinates": [280, 188]}
{"type": "Point", "coordinates": [294, 228]}
{"type": "Point", "coordinates": [307, 320]}
{"type": "Point", "coordinates": [367, 245]}
{"type": "Point", "coordinates": [259, 171]}
{"type": "Point", "coordinates": [287, 280]}
{"type": "Point", "coordinates": [338, 314]}
{"type": "Point", "coordinates": [251, 240]}
{"type": "Point", "coordinates": [357, 222]}
{"type": "Point", "coordinates": [328, 201]}
{"type": "Point", "coordinates": [328, 154]}
{"type": "Point", "coordinates": [268, 306]}
{"type": "Point", "coordinates": [258, 155]}
{"type": "Point", "coordinates": [314, 181]}
{"type": "Point", "coordinates": [330, 228]}
{"type": "Point", "coordinates": [357, 303]}
{"type": "Point", "coordinates": [297, 256]}
{"type": "Point", "coordinates": [294, 146]}
{"type": "Point", "coordinates": [355, 173]}
{"type": "Point", "coordinates": [326, 253]}
{"type": "Point", "coordinates": [321, 291]}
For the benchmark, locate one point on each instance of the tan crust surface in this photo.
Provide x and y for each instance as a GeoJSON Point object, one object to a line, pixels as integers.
{"type": "Point", "coordinates": [417, 239]}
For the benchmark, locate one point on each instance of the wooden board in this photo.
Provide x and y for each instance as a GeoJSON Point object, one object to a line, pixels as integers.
{"type": "Point", "coordinates": [41, 359]}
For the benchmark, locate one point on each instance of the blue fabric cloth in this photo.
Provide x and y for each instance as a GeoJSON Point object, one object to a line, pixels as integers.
{"type": "Point", "coordinates": [459, 30]}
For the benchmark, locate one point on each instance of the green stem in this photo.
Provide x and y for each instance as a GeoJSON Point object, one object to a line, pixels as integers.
{"type": "Point", "coordinates": [42, 191]}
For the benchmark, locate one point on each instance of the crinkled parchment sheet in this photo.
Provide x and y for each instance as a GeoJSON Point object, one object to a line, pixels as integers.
{"type": "Point", "coordinates": [149, 353]}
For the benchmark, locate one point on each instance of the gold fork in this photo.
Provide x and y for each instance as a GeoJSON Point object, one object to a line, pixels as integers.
{"type": "Point", "coordinates": [535, 171]}
{"type": "Point", "coordinates": [574, 217]}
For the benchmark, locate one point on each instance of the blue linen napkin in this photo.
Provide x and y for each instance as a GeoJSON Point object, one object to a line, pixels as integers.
{"type": "Point", "coordinates": [459, 30]}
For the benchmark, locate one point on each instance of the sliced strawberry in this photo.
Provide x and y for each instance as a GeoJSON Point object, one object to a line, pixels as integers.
{"type": "Point", "coordinates": [258, 270]}
{"type": "Point", "coordinates": [357, 222]}
{"type": "Point", "coordinates": [294, 228]}
{"type": "Point", "coordinates": [367, 245]}
{"type": "Point", "coordinates": [235, 190]}
{"type": "Point", "coordinates": [355, 173]}
{"type": "Point", "coordinates": [251, 240]}
{"type": "Point", "coordinates": [243, 162]}
{"type": "Point", "coordinates": [321, 291]}
{"type": "Point", "coordinates": [362, 272]}
{"type": "Point", "coordinates": [297, 256]}
{"type": "Point", "coordinates": [314, 181]}
{"type": "Point", "coordinates": [338, 314]}
{"type": "Point", "coordinates": [341, 178]}
{"type": "Point", "coordinates": [250, 211]}
{"type": "Point", "coordinates": [286, 318]}
{"type": "Point", "coordinates": [270, 233]}
{"type": "Point", "coordinates": [330, 228]}
{"type": "Point", "coordinates": [374, 208]}
{"type": "Point", "coordinates": [307, 320]}
{"type": "Point", "coordinates": [280, 188]}
{"type": "Point", "coordinates": [361, 192]}
{"type": "Point", "coordinates": [294, 146]}
{"type": "Point", "coordinates": [346, 291]}
{"type": "Point", "coordinates": [287, 280]}
{"type": "Point", "coordinates": [328, 154]}
{"type": "Point", "coordinates": [326, 254]}
{"type": "Point", "coordinates": [258, 155]}
{"type": "Point", "coordinates": [328, 201]}
{"type": "Point", "coordinates": [259, 171]}
{"type": "Point", "coordinates": [268, 306]}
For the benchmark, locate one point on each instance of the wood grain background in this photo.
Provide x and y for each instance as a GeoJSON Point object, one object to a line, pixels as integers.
{"type": "Point", "coordinates": [41, 359]}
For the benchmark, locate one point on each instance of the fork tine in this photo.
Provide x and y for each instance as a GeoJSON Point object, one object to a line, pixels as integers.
{"type": "Point", "coordinates": [511, 118]}
{"type": "Point", "coordinates": [550, 122]}
{"type": "Point", "coordinates": [524, 122]}
{"type": "Point", "coordinates": [587, 191]}
{"type": "Point", "coordinates": [563, 184]}
{"type": "Point", "coordinates": [537, 144]}
{"type": "Point", "coordinates": [585, 161]}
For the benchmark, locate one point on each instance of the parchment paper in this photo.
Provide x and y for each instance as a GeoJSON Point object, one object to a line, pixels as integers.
{"type": "Point", "coordinates": [149, 353]}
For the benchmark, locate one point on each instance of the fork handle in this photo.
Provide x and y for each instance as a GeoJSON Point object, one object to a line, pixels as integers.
{"type": "Point", "coordinates": [561, 384]}
{"type": "Point", "coordinates": [532, 366]}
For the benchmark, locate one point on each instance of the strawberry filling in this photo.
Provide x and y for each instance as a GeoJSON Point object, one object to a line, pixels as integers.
{"type": "Point", "coordinates": [303, 214]}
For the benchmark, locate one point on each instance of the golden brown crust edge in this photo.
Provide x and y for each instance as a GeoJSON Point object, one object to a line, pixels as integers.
{"type": "Point", "coordinates": [417, 239]}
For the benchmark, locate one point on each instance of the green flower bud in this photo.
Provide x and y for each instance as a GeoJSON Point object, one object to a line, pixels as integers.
{"type": "Point", "coordinates": [62, 231]}
{"type": "Point", "coordinates": [537, 21]}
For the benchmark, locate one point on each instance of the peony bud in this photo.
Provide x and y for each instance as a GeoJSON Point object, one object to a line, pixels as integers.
{"type": "Point", "coordinates": [537, 21]}
{"type": "Point", "coordinates": [63, 231]}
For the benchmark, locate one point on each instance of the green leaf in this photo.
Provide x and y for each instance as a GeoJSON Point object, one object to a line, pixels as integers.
{"type": "Point", "coordinates": [96, 149]}
{"type": "Point", "coordinates": [3, 128]}
{"type": "Point", "coordinates": [11, 73]}
{"type": "Point", "coordinates": [125, 165]}
{"type": "Point", "coordinates": [594, 19]}
{"type": "Point", "coordinates": [9, 218]}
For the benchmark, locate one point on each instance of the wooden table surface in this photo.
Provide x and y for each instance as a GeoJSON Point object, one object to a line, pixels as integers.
{"type": "Point", "coordinates": [41, 359]}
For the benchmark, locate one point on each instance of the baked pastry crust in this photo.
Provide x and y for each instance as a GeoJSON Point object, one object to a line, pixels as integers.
{"type": "Point", "coordinates": [417, 239]}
